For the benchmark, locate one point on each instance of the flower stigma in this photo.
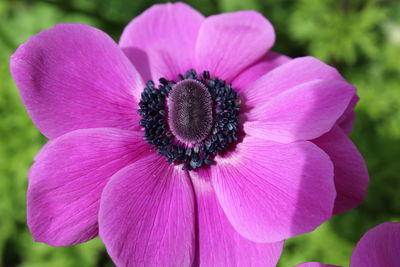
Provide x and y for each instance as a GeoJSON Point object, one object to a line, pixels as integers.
{"type": "Point", "coordinates": [190, 121]}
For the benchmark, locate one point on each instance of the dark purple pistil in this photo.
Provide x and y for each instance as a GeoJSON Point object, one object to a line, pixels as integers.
{"type": "Point", "coordinates": [190, 111]}
{"type": "Point", "coordinates": [190, 121]}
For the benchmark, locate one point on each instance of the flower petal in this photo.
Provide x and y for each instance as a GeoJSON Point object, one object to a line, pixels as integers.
{"type": "Point", "coordinates": [67, 178]}
{"type": "Point", "coordinates": [161, 41]}
{"type": "Point", "coordinates": [270, 61]}
{"type": "Point", "coordinates": [351, 174]}
{"type": "Point", "coordinates": [230, 42]}
{"type": "Point", "coordinates": [147, 215]}
{"type": "Point", "coordinates": [346, 121]}
{"type": "Point", "coordinates": [220, 244]}
{"type": "Point", "coordinates": [302, 113]}
{"type": "Point", "coordinates": [271, 191]}
{"type": "Point", "coordinates": [315, 264]}
{"type": "Point", "coordinates": [380, 246]}
{"type": "Point", "coordinates": [74, 76]}
{"type": "Point", "coordinates": [294, 73]}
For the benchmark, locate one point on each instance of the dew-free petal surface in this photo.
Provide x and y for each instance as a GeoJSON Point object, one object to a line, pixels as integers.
{"type": "Point", "coordinates": [301, 113]}
{"type": "Point", "coordinates": [346, 121]}
{"type": "Point", "coordinates": [147, 215]}
{"type": "Point", "coordinates": [74, 76]}
{"type": "Point", "coordinates": [315, 264]}
{"type": "Point", "coordinates": [228, 43]}
{"type": "Point", "coordinates": [220, 244]}
{"type": "Point", "coordinates": [351, 174]}
{"type": "Point", "coordinates": [271, 191]}
{"type": "Point", "coordinates": [379, 247]}
{"type": "Point", "coordinates": [293, 73]}
{"type": "Point", "coordinates": [268, 62]}
{"type": "Point", "coordinates": [161, 41]}
{"type": "Point", "coordinates": [67, 178]}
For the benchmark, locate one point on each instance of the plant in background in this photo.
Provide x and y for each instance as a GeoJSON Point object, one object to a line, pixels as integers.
{"type": "Point", "coordinates": [247, 147]}
{"type": "Point", "coordinates": [379, 247]}
{"type": "Point", "coordinates": [347, 33]}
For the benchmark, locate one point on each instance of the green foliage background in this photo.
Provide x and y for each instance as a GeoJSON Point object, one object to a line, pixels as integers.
{"type": "Point", "coordinates": [360, 37]}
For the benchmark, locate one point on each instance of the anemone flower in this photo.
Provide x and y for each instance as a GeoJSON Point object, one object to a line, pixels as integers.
{"type": "Point", "coordinates": [188, 143]}
{"type": "Point", "coordinates": [379, 247]}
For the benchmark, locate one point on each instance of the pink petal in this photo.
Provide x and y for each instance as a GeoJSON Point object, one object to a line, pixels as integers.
{"type": "Point", "coordinates": [294, 73]}
{"type": "Point", "coordinates": [230, 42]}
{"type": "Point", "coordinates": [301, 113]}
{"type": "Point", "coordinates": [270, 61]}
{"type": "Point", "coordinates": [220, 244]}
{"type": "Point", "coordinates": [346, 121]}
{"type": "Point", "coordinates": [379, 247]}
{"type": "Point", "coordinates": [271, 191]}
{"type": "Point", "coordinates": [147, 215]}
{"type": "Point", "coordinates": [74, 76]}
{"type": "Point", "coordinates": [67, 178]}
{"type": "Point", "coordinates": [315, 264]}
{"type": "Point", "coordinates": [351, 174]}
{"type": "Point", "coordinates": [161, 41]}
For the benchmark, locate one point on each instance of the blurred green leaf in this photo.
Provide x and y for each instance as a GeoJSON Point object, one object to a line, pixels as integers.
{"type": "Point", "coordinates": [336, 33]}
{"type": "Point", "coordinates": [234, 5]}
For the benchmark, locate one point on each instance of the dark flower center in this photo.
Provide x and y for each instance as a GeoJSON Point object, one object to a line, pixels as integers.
{"type": "Point", "coordinates": [190, 121]}
{"type": "Point", "coordinates": [190, 111]}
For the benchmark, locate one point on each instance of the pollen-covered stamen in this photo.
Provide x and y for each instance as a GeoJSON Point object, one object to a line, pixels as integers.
{"type": "Point", "coordinates": [194, 126]}
{"type": "Point", "coordinates": [190, 111]}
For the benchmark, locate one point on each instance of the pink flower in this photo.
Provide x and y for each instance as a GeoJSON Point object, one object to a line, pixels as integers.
{"type": "Point", "coordinates": [241, 178]}
{"type": "Point", "coordinates": [379, 247]}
